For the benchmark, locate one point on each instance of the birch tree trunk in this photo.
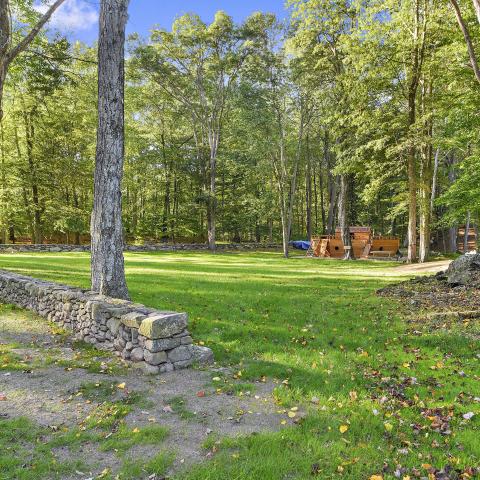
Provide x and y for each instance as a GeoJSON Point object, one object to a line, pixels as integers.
{"type": "Point", "coordinates": [343, 221]}
{"type": "Point", "coordinates": [465, 237]}
{"type": "Point", "coordinates": [107, 264]}
{"type": "Point", "coordinates": [452, 231]}
{"type": "Point", "coordinates": [434, 179]}
{"type": "Point", "coordinates": [308, 192]}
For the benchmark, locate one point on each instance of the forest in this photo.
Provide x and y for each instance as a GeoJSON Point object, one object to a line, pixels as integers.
{"type": "Point", "coordinates": [269, 130]}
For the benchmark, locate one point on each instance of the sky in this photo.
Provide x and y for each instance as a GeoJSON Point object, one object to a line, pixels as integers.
{"type": "Point", "coordinates": [78, 19]}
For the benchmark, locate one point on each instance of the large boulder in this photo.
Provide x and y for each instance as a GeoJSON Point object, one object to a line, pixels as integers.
{"type": "Point", "coordinates": [465, 270]}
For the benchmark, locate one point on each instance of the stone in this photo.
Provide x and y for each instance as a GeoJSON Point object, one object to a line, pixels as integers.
{"type": "Point", "coordinates": [201, 355]}
{"type": "Point", "coordinates": [162, 344]}
{"type": "Point", "coordinates": [166, 367]}
{"type": "Point", "coordinates": [187, 340]}
{"type": "Point", "coordinates": [163, 325]}
{"type": "Point", "coordinates": [136, 354]}
{"type": "Point", "coordinates": [132, 319]}
{"type": "Point", "coordinates": [465, 270]}
{"type": "Point", "coordinates": [129, 346]}
{"type": "Point", "coordinates": [179, 354]}
{"type": "Point", "coordinates": [154, 358]}
{"type": "Point", "coordinates": [151, 369]}
{"type": "Point", "coordinates": [183, 364]}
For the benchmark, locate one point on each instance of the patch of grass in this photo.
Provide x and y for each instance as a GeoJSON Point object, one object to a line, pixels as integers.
{"type": "Point", "coordinates": [316, 329]}
{"type": "Point", "coordinates": [136, 469]}
{"type": "Point", "coordinates": [9, 360]}
{"type": "Point", "coordinates": [127, 436]}
{"type": "Point", "coordinates": [98, 391]}
{"type": "Point", "coordinates": [178, 405]}
{"type": "Point", "coordinates": [90, 358]}
{"type": "Point", "coordinates": [26, 455]}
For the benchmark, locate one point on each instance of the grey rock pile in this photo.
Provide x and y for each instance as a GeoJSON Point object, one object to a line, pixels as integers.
{"type": "Point", "coordinates": [465, 270]}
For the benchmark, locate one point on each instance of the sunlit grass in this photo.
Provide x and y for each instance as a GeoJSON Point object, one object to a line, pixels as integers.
{"type": "Point", "coordinates": [317, 329]}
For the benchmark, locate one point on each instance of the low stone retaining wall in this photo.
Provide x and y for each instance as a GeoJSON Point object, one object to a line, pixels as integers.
{"type": "Point", "coordinates": [158, 341]}
{"type": "Point", "coordinates": [13, 248]}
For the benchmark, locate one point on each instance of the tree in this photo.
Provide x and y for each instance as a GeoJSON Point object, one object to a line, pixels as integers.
{"type": "Point", "coordinates": [198, 65]}
{"type": "Point", "coordinates": [107, 263]}
{"type": "Point", "coordinates": [8, 53]}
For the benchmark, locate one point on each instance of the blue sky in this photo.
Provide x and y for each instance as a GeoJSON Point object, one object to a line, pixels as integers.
{"type": "Point", "coordinates": [79, 18]}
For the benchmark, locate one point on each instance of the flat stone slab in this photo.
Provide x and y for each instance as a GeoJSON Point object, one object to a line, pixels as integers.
{"type": "Point", "coordinates": [163, 325]}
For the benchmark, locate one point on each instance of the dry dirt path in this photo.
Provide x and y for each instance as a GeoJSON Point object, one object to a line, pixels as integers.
{"type": "Point", "coordinates": [41, 380]}
{"type": "Point", "coordinates": [422, 268]}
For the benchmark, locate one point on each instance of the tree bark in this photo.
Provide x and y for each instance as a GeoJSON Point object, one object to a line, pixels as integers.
{"type": "Point", "coordinates": [343, 220]}
{"type": "Point", "coordinates": [107, 263]}
{"type": "Point", "coordinates": [434, 179]}
{"type": "Point", "coordinates": [426, 177]}
{"type": "Point", "coordinates": [308, 192]}
{"type": "Point", "coordinates": [212, 198]}
{"type": "Point", "coordinates": [452, 231]}
{"type": "Point", "coordinates": [465, 237]}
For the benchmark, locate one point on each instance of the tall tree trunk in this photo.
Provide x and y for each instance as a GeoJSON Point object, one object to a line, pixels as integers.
{"type": "Point", "coordinates": [107, 263]}
{"type": "Point", "coordinates": [418, 53]}
{"type": "Point", "coordinates": [412, 183]}
{"type": "Point", "coordinates": [213, 139]}
{"type": "Point", "coordinates": [32, 170]}
{"type": "Point", "coordinates": [166, 198]}
{"type": "Point", "coordinates": [343, 220]}
{"type": "Point", "coordinates": [452, 231]}
{"type": "Point", "coordinates": [465, 237]}
{"type": "Point", "coordinates": [426, 178]}
{"type": "Point", "coordinates": [308, 192]}
{"type": "Point", "coordinates": [5, 220]}
{"type": "Point", "coordinates": [434, 179]}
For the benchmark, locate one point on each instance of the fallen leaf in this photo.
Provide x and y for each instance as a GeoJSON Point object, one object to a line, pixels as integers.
{"type": "Point", "coordinates": [466, 416]}
{"type": "Point", "coordinates": [3, 397]}
{"type": "Point", "coordinates": [167, 409]}
{"type": "Point", "coordinates": [121, 386]}
{"type": "Point", "coordinates": [201, 393]}
{"type": "Point", "coordinates": [135, 430]}
{"type": "Point", "coordinates": [376, 477]}
{"type": "Point", "coordinates": [343, 428]}
{"type": "Point", "coordinates": [291, 414]}
{"type": "Point", "coordinates": [388, 426]}
{"type": "Point", "coordinates": [353, 395]}
{"type": "Point", "coordinates": [216, 379]}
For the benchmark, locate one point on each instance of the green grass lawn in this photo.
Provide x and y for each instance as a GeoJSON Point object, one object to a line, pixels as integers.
{"type": "Point", "coordinates": [380, 400]}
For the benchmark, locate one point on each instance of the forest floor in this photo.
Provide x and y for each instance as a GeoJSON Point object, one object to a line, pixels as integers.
{"type": "Point", "coordinates": [316, 376]}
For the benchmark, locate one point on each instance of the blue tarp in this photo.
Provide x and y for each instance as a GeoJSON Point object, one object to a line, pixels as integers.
{"type": "Point", "coordinates": [300, 244]}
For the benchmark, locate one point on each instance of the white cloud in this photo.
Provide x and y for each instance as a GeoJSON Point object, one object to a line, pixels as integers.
{"type": "Point", "coordinates": [73, 15]}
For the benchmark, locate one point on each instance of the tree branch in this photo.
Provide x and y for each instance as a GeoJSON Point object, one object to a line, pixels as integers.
{"type": "Point", "coordinates": [15, 51]}
{"type": "Point", "coordinates": [468, 40]}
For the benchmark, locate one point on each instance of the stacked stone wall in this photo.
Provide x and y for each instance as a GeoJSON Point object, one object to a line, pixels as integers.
{"type": "Point", "coordinates": [154, 247]}
{"type": "Point", "coordinates": [158, 341]}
